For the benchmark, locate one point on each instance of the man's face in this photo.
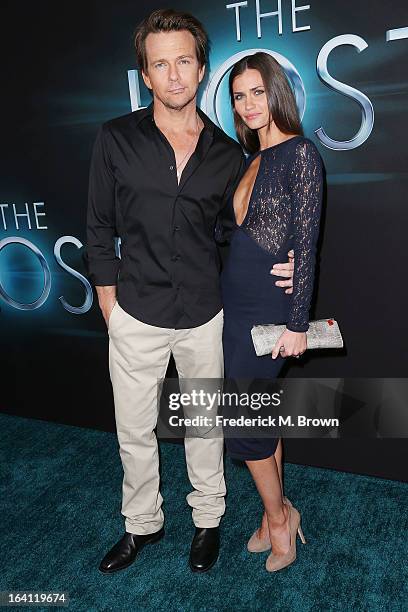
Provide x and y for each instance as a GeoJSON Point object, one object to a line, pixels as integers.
{"type": "Point", "coordinates": [173, 72]}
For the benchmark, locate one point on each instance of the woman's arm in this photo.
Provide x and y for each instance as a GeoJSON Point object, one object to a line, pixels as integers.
{"type": "Point", "coordinates": [306, 189]}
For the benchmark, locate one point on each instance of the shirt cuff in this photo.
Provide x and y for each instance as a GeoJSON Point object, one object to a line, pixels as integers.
{"type": "Point", "coordinates": [103, 273]}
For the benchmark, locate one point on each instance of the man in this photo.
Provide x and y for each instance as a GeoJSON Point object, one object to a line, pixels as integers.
{"type": "Point", "coordinates": [160, 179]}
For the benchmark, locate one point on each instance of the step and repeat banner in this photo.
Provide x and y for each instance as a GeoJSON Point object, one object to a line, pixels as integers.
{"type": "Point", "coordinates": [68, 68]}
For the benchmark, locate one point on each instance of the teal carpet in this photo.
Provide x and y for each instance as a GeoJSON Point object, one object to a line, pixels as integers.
{"type": "Point", "coordinates": [60, 513]}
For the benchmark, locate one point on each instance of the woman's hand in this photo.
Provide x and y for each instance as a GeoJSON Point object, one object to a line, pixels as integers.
{"type": "Point", "coordinates": [294, 343]}
{"type": "Point", "coordinates": [285, 270]}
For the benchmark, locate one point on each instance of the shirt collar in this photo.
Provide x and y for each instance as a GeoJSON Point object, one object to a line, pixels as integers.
{"type": "Point", "coordinates": [144, 113]}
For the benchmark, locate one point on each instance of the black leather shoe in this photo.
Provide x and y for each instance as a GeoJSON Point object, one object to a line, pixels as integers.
{"type": "Point", "coordinates": [204, 548]}
{"type": "Point", "coordinates": [125, 551]}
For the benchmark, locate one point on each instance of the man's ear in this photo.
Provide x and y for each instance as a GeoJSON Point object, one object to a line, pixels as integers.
{"type": "Point", "coordinates": [201, 73]}
{"type": "Point", "coordinates": [146, 79]}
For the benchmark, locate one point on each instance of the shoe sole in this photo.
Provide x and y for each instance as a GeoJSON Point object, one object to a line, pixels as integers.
{"type": "Point", "coordinates": [118, 569]}
{"type": "Point", "coordinates": [281, 568]}
{"type": "Point", "coordinates": [202, 571]}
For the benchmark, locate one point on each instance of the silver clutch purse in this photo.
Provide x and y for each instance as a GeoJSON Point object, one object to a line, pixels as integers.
{"type": "Point", "coordinates": [324, 333]}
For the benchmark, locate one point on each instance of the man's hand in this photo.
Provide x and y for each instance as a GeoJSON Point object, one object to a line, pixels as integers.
{"type": "Point", "coordinates": [107, 300]}
{"type": "Point", "coordinates": [285, 270]}
{"type": "Point", "coordinates": [290, 344]}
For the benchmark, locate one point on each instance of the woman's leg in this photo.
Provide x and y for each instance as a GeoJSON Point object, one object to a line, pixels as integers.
{"type": "Point", "coordinates": [241, 362]}
{"type": "Point", "coordinates": [279, 464]}
{"type": "Point", "coordinates": [267, 479]}
{"type": "Point", "coordinates": [264, 530]}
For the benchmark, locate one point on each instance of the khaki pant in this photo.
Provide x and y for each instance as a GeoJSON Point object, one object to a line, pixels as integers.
{"type": "Point", "coordinates": [138, 356]}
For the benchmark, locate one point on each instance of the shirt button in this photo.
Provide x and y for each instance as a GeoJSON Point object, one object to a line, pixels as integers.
{"type": "Point", "coordinates": [176, 228]}
{"type": "Point", "coordinates": [171, 167]}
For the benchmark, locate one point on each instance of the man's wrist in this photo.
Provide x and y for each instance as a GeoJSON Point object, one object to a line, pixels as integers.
{"type": "Point", "coordinates": [106, 291]}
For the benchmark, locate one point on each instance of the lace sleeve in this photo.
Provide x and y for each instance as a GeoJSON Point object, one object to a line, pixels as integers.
{"type": "Point", "coordinates": [306, 188]}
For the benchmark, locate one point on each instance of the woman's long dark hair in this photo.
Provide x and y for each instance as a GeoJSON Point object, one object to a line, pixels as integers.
{"type": "Point", "coordinates": [281, 100]}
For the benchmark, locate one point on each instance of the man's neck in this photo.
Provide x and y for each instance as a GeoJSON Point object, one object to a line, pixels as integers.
{"type": "Point", "coordinates": [175, 120]}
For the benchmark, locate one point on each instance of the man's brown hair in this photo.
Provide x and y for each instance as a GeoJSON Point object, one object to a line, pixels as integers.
{"type": "Point", "coordinates": [169, 20]}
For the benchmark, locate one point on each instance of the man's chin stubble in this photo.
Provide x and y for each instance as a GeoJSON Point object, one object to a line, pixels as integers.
{"type": "Point", "coordinates": [177, 106]}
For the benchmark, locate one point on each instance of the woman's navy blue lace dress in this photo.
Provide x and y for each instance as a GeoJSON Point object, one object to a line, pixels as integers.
{"type": "Point", "coordinates": [283, 213]}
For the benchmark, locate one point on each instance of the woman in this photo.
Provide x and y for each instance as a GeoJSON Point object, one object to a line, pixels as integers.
{"type": "Point", "coordinates": [277, 207]}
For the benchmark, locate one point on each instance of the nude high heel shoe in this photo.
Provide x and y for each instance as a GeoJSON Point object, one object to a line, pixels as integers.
{"type": "Point", "coordinates": [257, 544]}
{"type": "Point", "coordinates": [278, 562]}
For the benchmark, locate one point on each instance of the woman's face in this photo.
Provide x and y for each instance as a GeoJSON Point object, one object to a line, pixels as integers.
{"type": "Point", "coordinates": [250, 99]}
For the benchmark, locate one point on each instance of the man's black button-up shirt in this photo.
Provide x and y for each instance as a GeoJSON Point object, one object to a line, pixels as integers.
{"type": "Point", "coordinates": [168, 272]}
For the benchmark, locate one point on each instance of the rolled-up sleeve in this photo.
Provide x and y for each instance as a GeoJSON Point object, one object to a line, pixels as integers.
{"type": "Point", "coordinates": [100, 257]}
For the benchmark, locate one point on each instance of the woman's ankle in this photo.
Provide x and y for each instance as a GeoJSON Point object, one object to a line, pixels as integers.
{"type": "Point", "coordinates": [277, 519]}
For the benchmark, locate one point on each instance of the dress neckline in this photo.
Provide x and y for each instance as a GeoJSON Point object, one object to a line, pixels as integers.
{"type": "Point", "coordinates": [249, 160]}
{"type": "Point", "coordinates": [251, 193]}
{"type": "Point", "coordinates": [278, 144]}
{"type": "Point", "coordinates": [252, 156]}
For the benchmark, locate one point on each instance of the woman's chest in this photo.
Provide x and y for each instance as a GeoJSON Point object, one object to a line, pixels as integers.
{"type": "Point", "coordinates": [244, 190]}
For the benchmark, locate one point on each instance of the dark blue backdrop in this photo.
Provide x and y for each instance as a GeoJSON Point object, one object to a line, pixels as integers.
{"type": "Point", "coordinates": [67, 70]}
